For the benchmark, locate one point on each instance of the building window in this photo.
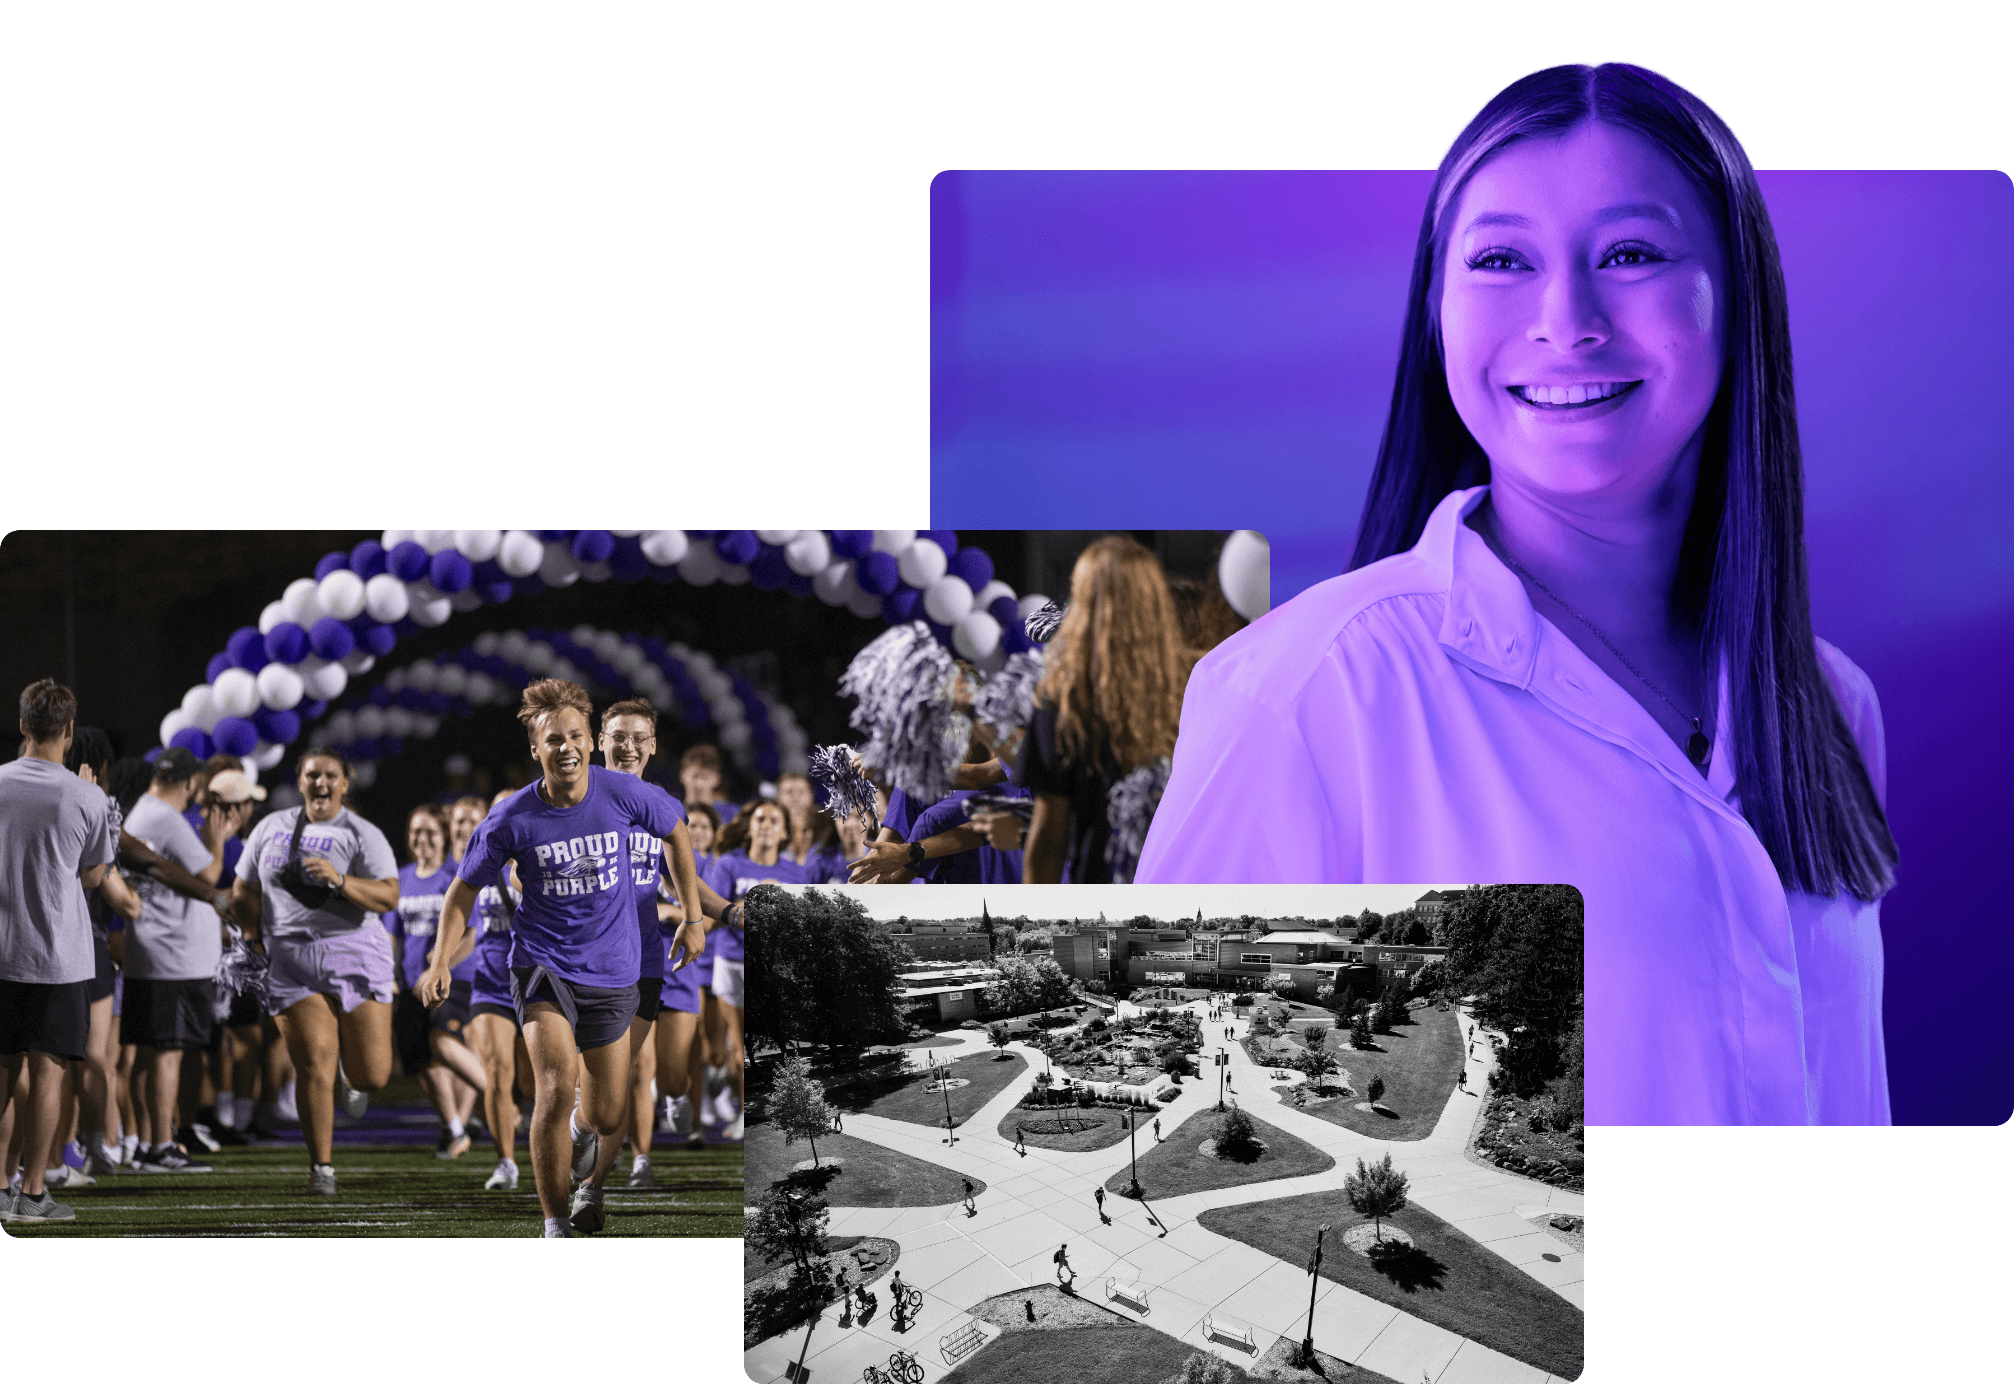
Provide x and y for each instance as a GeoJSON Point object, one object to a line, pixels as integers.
{"type": "Point", "coordinates": [1256, 958]}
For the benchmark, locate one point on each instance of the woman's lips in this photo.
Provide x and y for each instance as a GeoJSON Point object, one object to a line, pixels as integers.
{"type": "Point", "coordinates": [1572, 398]}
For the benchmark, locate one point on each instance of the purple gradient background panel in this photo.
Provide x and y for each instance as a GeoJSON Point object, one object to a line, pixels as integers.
{"type": "Point", "coordinates": [1216, 350]}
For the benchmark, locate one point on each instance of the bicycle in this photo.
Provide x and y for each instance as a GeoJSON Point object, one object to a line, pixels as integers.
{"type": "Point", "coordinates": [903, 1369]}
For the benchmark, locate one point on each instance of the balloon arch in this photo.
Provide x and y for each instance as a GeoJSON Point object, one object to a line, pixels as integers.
{"type": "Point", "coordinates": [279, 677]}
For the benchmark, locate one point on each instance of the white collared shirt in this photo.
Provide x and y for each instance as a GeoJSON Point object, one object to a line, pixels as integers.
{"type": "Point", "coordinates": [1417, 720]}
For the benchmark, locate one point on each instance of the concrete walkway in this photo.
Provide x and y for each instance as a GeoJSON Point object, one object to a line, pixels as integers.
{"type": "Point", "coordinates": [1035, 1201]}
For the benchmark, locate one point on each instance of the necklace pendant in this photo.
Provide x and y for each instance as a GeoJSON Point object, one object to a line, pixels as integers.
{"type": "Point", "coordinates": [1698, 748]}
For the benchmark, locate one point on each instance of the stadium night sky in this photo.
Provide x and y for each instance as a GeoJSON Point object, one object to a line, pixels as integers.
{"type": "Point", "coordinates": [1119, 902]}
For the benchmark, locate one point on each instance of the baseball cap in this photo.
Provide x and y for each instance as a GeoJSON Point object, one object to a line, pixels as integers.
{"type": "Point", "coordinates": [233, 787]}
{"type": "Point", "coordinates": [176, 765]}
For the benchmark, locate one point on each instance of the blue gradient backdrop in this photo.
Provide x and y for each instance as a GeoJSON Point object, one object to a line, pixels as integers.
{"type": "Point", "coordinates": [1215, 350]}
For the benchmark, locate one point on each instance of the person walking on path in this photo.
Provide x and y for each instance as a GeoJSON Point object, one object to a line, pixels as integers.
{"type": "Point", "coordinates": [1099, 1194]}
{"type": "Point", "coordinates": [1019, 1147]}
{"type": "Point", "coordinates": [970, 1209]}
{"type": "Point", "coordinates": [1462, 1079]}
{"type": "Point", "coordinates": [1157, 1129]}
{"type": "Point", "coordinates": [835, 1123]}
{"type": "Point", "coordinates": [1063, 1258]}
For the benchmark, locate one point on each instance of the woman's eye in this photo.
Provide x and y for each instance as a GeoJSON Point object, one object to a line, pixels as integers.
{"type": "Point", "coordinates": [1631, 257]}
{"type": "Point", "coordinates": [1496, 260]}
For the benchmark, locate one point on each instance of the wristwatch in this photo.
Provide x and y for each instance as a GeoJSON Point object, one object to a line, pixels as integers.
{"type": "Point", "coordinates": [916, 856]}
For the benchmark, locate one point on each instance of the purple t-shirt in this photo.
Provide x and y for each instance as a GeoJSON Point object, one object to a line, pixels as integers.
{"type": "Point", "coordinates": [578, 917]}
{"type": "Point", "coordinates": [741, 874]}
{"type": "Point", "coordinates": [491, 959]}
{"type": "Point", "coordinates": [416, 921]}
{"type": "Point", "coordinates": [646, 861]}
{"type": "Point", "coordinates": [982, 865]}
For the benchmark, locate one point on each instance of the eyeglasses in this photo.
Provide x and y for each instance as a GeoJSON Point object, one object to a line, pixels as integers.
{"type": "Point", "coordinates": [621, 741]}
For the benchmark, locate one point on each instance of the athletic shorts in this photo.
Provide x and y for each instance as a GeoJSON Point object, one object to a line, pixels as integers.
{"type": "Point", "coordinates": [101, 983]}
{"type": "Point", "coordinates": [55, 1019]}
{"type": "Point", "coordinates": [727, 982]}
{"type": "Point", "coordinates": [350, 967]}
{"type": "Point", "coordinates": [599, 1016]}
{"type": "Point", "coordinates": [681, 989]}
{"type": "Point", "coordinates": [649, 998]}
{"type": "Point", "coordinates": [169, 1013]}
{"type": "Point", "coordinates": [412, 1021]}
{"type": "Point", "coordinates": [702, 969]}
{"type": "Point", "coordinates": [502, 1011]}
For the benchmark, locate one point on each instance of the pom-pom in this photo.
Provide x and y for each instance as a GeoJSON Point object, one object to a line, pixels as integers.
{"type": "Point", "coordinates": [847, 791]}
{"type": "Point", "coordinates": [1043, 624]}
{"type": "Point", "coordinates": [332, 639]}
{"type": "Point", "coordinates": [1022, 806]}
{"type": "Point", "coordinates": [902, 681]}
{"type": "Point", "coordinates": [450, 572]}
{"type": "Point", "coordinates": [236, 735]}
{"type": "Point", "coordinates": [241, 974]}
{"type": "Point", "coordinates": [1129, 810]}
{"type": "Point", "coordinates": [592, 545]}
{"type": "Point", "coordinates": [287, 642]}
{"type": "Point", "coordinates": [1006, 701]}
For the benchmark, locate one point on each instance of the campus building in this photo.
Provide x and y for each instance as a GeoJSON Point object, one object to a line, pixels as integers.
{"type": "Point", "coordinates": [946, 990]}
{"type": "Point", "coordinates": [1310, 957]}
{"type": "Point", "coordinates": [952, 941]}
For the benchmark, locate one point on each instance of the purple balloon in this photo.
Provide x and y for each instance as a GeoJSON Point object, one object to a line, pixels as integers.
{"type": "Point", "coordinates": [947, 539]}
{"type": "Point", "coordinates": [363, 749]}
{"type": "Point", "coordinates": [286, 642]}
{"type": "Point", "coordinates": [332, 639]}
{"type": "Point", "coordinates": [450, 572]}
{"type": "Point", "coordinates": [493, 592]}
{"type": "Point", "coordinates": [407, 561]}
{"type": "Point", "coordinates": [247, 648]}
{"type": "Point", "coordinates": [367, 559]}
{"type": "Point", "coordinates": [195, 740]}
{"type": "Point", "coordinates": [391, 745]}
{"type": "Point", "coordinates": [434, 703]}
{"type": "Point", "coordinates": [738, 546]}
{"type": "Point", "coordinates": [627, 559]}
{"type": "Point", "coordinates": [411, 698]}
{"type": "Point", "coordinates": [764, 736]}
{"type": "Point", "coordinates": [851, 543]}
{"type": "Point", "coordinates": [877, 573]}
{"type": "Point", "coordinates": [311, 711]}
{"type": "Point", "coordinates": [553, 535]}
{"type": "Point", "coordinates": [768, 764]}
{"type": "Point", "coordinates": [154, 753]}
{"type": "Point", "coordinates": [331, 562]}
{"type": "Point", "coordinates": [942, 632]}
{"type": "Point", "coordinates": [236, 735]}
{"type": "Point", "coordinates": [973, 565]}
{"type": "Point", "coordinates": [593, 545]}
{"type": "Point", "coordinates": [219, 663]}
{"type": "Point", "coordinates": [276, 727]}
{"type": "Point", "coordinates": [769, 571]}
{"type": "Point", "coordinates": [900, 607]}
{"type": "Point", "coordinates": [1005, 609]}
{"type": "Point", "coordinates": [375, 639]}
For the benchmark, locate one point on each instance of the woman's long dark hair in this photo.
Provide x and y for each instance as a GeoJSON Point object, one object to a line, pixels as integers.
{"type": "Point", "coordinates": [1803, 785]}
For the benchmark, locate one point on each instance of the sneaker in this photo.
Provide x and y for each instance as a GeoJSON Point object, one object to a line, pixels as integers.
{"type": "Point", "coordinates": [197, 1136]}
{"type": "Point", "coordinates": [682, 1125]}
{"type": "Point", "coordinates": [102, 1161]}
{"type": "Point", "coordinates": [452, 1145]}
{"type": "Point", "coordinates": [67, 1176]}
{"type": "Point", "coordinates": [261, 1131]}
{"type": "Point", "coordinates": [586, 1214]}
{"type": "Point", "coordinates": [42, 1208]}
{"type": "Point", "coordinates": [504, 1179]}
{"type": "Point", "coordinates": [73, 1155]}
{"type": "Point", "coordinates": [129, 1149]}
{"type": "Point", "coordinates": [170, 1159]}
{"type": "Point", "coordinates": [640, 1175]}
{"type": "Point", "coordinates": [7, 1204]}
{"type": "Point", "coordinates": [353, 1101]}
{"type": "Point", "coordinates": [562, 1231]}
{"type": "Point", "coordinates": [321, 1180]}
{"type": "Point", "coordinates": [586, 1150]}
{"type": "Point", "coordinates": [732, 1133]}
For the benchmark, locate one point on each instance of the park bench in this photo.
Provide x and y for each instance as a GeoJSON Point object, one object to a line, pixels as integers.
{"type": "Point", "coordinates": [1129, 1291]}
{"type": "Point", "coordinates": [1229, 1331]}
{"type": "Point", "coordinates": [961, 1343]}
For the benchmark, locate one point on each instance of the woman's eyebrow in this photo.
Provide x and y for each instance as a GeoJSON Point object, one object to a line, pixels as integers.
{"type": "Point", "coordinates": [1622, 211]}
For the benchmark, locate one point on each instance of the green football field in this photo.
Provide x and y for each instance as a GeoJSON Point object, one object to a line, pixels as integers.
{"type": "Point", "coordinates": [391, 1190]}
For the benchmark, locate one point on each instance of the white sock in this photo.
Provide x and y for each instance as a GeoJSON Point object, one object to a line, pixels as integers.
{"type": "Point", "coordinates": [456, 1128]}
{"type": "Point", "coordinates": [573, 1129]}
{"type": "Point", "coordinates": [552, 1223]}
{"type": "Point", "coordinates": [642, 1160]}
{"type": "Point", "coordinates": [130, 1144]}
{"type": "Point", "coordinates": [510, 1163]}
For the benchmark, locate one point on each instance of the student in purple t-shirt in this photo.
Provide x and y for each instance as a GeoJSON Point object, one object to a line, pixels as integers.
{"type": "Point", "coordinates": [679, 1064]}
{"type": "Point", "coordinates": [575, 948]}
{"type": "Point", "coordinates": [430, 1041]}
{"type": "Point", "coordinates": [759, 860]}
{"type": "Point", "coordinates": [492, 1030]}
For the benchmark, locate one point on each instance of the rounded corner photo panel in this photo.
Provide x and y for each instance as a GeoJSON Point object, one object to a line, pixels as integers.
{"type": "Point", "coordinates": [1110, 1133]}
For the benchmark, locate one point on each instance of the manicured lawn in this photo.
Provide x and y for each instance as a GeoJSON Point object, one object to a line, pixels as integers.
{"type": "Point", "coordinates": [869, 1176]}
{"type": "Point", "coordinates": [1117, 1354]}
{"type": "Point", "coordinates": [1419, 1064]}
{"type": "Point", "coordinates": [1176, 1167]}
{"type": "Point", "coordinates": [1447, 1278]}
{"type": "Point", "coordinates": [901, 1096]}
{"type": "Point", "coordinates": [1108, 1128]}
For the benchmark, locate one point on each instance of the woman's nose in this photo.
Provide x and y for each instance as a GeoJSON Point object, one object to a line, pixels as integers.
{"type": "Point", "coordinates": [1570, 315]}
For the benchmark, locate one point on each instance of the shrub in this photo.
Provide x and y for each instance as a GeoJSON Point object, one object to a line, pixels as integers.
{"type": "Point", "coordinates": [971, 1023]}
{"type": "Point", "coordinates": [1200, 1368]}
{"type": "Point", "coordinates": [1360, 1031]}
{"type": "Point", "coordinates": [1086, 1097]}
{"type": "Point", "coordinates": [1241, 1001]}
{"type": "Point", "coordinates": [1377, 1191]}
{"type": "Point", "coordinates": [1238, 1137]}
{"type": "Point", "coordinates": [1097, 1025]}
{"type": "Point", "coordinates": [1376, 1092]}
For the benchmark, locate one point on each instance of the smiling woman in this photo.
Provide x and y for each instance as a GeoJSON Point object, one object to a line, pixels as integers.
{"type": "Point", "coordinates": [1576, 645]}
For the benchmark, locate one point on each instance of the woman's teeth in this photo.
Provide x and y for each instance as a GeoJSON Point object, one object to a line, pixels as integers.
{"type": "Point", "coordinates": [1570, 393]}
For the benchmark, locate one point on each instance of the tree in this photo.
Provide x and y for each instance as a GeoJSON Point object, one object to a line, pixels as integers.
{"type": "Point", "coordinates": [1280, 983]}
{"type": "Point", "coordinates": [1237, 1136]}
{"type": "Point", "coordinates": [797, 1104]}
{"type": "Point", "coordinates": [1027, 984]}
{"type": "Point", "coordinates": [1370, 924]}
{"type": "Point", "coordinates": [1418, 934]}
{"type": "Point", "coordinates": [1396, 993]}
{"type": "Point", "coordinates": [1381, 1017]}
{"type": "Point", "coordinates": [1316, 1061]}
{"type": "Point", "coordinates": [1430, 977]}
{"type": "Point", "coordinates": [1200, 1368]}
{"type": "Point", "coordinates": [1376, 1092]}
{"type": "Point", "coordinates": [1518, 946]}
{"type": "Point", "coordinates": [819, 970]}
{"type": "Point", "coordinates": [1173, 1063]}
{"type": "Point", "coordinates": [1360, 1030]}
{"type": "Point", "coordinates": [1377, 1191]}
{"type": "Point", "coordinates": [788, 1223]}
{"type": "Point", "coordinates": [996, 1034]}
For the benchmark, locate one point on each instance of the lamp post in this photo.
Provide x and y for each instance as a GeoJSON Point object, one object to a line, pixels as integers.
{"type": "Point", "coordinates": [1133, 1144]}
{"type": "Point", "coordinates": [1314, 1277]}
{"type": "Point", "coordinates": [950, 1130]}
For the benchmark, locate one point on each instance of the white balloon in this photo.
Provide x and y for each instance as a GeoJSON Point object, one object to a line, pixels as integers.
{"type": "Point", "coordinates": [624, 533]}
{"type": "Point", "coordinates": [794, 763]}
{"type": "Point", "coordinates": [398, 721]}
{"type": "Point", "coordinates": [563, 669]}
{"type": "Point", "coordinates": [583, 634]}
{"type": "Point", "coordinates": [663, 701]}
{"type": "Point", "coordinates": [478, 545]}
{"type": "Point", "coordinates": [273, 614]}
{"type": "Point", "coordinates": [481, 690]}
{"type": "Point", "coordinates": [922, 564]}
{"type": "Point", "coordinates": [420, 589]}
{"type": "Point", "coordinates": [395, 681]}
{"type": "Point", "coordinates": [434, 540]}
{"type": "Point", "coordinates": [369, 722]}
{"type": "Point", "coordinates": [727, 709]}
{"type": "Point", "coordinates": [341, 594]}
{"type": "Point", "coordinates": [391, 538]}
{"type": "Point", "coordinates": [520, 553]}
{"type": "Point", "coordinates": [280, 687]}
{"type": "Point", "coordinates": [363, 775]}
{"type": "Point", "coordinates": [428, 614]}
{"type": "Point", "coordinates": [341, 728]}
{"type": "Point", "coordinates": [318, 738]}
{"type": "Point", "coordinates": [512, 646]}
{"type": "Point", "coordinates": [303, 602]}
{"type": "Point", "coordinates": [977, 634]}
{"type": "Point", "coordinates": [487, 643]}
{"type": "Point", "coordinates": [424, 725]}
{"type": "Point", "coordinates": [808, 553]}
{"type": "Point", "coordinates": [834, 583]}
{"type": "Point", "coordinates": [949, 598]}
{"type": "Point", "coordinates": [993, 662]}
{"type": "Point", "coordinates": [235, 692]}
{"type": "Point", "coordinates": [269, 756]}
{"type": "Point", "coordinates": [453, 679]}
{"type": "Point", "coordinates": [1032, 603]}
{"type": "Point", "coordinates": [608, 644]}
{"type": "Point", "coordinates": [736, 736]}
{"type": "Point", "coordinates": [423, 676]}
{"type": "Point", "coordinates": [1245, 571]}
{"type": "Point", "coordinates": [894, 542]}
{"type": "Point", "coordinates": [386, 599]}
{"type": "Point", "coordinates": [627, 658]}
{"type": "Point", "coordinates": [557, 567]}
{"type": "Point", "coordinates": [777, 537]}
{"type": "Point", "coordinates": [359, 663]}
{"type": "Point", "coordinates": [173, 724]}
{"type": "Point", "coordinates": [701, 564]}
{"type": "Point", "coordinates": [664, 547]}
{"type": "Point", "coordinates": [538, 656]}
{"type": "Point", "coordinates": [991, 592]}
{"type": "Point", "coordinates": [323, 680]}
{"type": "Point", "coordinates": [465, 600]}
{"type": "Point", "coordinates": [865, 604]}
{"type": "Point", "coordinates": [201, 706]}
{"type": "Point", "coordinates": [734, 574]}
{"type": "Point", "coordinates": [596, 571]}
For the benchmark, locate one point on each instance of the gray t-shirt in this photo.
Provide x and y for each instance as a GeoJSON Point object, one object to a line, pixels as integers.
{"type": "Point", "coordinates": [52, 824]}
{"type": "Point", "coordinates": [347, 841]}
{"type": "Point", "coordinates": [175, 937]}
